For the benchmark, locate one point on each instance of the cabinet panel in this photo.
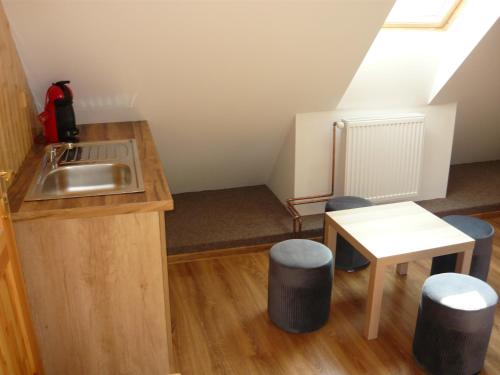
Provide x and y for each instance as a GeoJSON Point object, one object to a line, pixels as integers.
{"type": "Point", "coordinates": [18, 350]}
{"type": "Point", "coordinates": [96, 286]}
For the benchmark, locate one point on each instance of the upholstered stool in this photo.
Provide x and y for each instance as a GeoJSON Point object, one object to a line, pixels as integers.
{"type": "Point", "coordinates": [347, 257]}
{"type": "Point", "coordinates": [454, 324]}
{"type": "Point", "coordinates": [300, 285]}
{"type": "Point", "coordinates": [479, 230]}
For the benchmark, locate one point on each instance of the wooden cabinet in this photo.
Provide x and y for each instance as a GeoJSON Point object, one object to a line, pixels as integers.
{"type": "Point", "coordinates": [18, 349]}
{"type": "Point", "coordinates": [96, 287]}
{"type": "Point", "coordinates": [96, 270]}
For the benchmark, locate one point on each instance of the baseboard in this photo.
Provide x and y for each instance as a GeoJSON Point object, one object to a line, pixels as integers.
{"type": "Point", "coordinates": [213, 254]}
{"type": "Point", "coordinates": [488, 215]}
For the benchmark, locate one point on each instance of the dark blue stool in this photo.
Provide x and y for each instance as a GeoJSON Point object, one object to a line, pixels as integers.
{"type": "Point", "coordinates": [347, 258]}
{"type": "Point", "coordinates": [300, 285]}
{"type": "Point", "coordinates": [479, 230]}
{"type": "Point", "coordinates": [454, 324]}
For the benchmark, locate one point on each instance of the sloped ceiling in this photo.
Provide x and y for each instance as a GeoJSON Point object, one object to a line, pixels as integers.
{"type": "Point", "coordinates": [397, 72]}
{"type": "Point", "coordinates": [476, 88]}
{"type": "Point", "coordinates": [219, 81]}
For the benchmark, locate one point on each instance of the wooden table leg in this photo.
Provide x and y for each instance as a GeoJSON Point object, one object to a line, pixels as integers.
{"type": "Point", "coordinates": [402, 269]}
{"type": "Point", "coordinates": [374, 303]}
{"type": "Point", "coordinates": [464, 260]}
{"type": "Point", "coordinates": [330, 237]}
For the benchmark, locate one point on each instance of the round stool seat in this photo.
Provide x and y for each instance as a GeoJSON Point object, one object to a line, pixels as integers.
{"type": "Point", "coordinates": [347, 257]}
{"type": "Point", "coordinates": [454, 324]}
{"type": "Point", "coordinates": [346, 203]}
{"type": "Point", "coordinates": [479, 230]}
{"type": "Point", "coordinates": [300, 285]}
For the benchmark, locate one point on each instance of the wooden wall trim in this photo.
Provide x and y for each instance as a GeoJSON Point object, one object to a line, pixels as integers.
{"type": "Point", "coordinates": [18, 119]}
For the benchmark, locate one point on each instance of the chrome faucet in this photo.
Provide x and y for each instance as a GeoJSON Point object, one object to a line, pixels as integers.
{"type": "Point", "coordinates": [54, 155]}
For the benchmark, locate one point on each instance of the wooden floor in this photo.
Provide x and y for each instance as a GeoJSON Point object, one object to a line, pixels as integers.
{"type": "Point", "coordinates": [221, 325]}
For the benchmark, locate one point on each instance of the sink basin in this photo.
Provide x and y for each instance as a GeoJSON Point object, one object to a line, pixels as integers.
{"type": "Point", "coordinates": [90, 178]}
{"type": "Point", "coordinates": [87, 169]}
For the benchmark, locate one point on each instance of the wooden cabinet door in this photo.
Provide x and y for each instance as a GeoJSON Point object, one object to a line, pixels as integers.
{"type": "Point", "coordinates": [18, 350]}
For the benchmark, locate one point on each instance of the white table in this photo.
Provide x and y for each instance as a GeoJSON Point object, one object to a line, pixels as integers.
{"type": "Point", "coordinates": [395, 233]}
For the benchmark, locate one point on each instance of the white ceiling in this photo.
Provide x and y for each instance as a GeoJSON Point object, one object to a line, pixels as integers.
{"type": "Point", "coordinates": [219, 81]}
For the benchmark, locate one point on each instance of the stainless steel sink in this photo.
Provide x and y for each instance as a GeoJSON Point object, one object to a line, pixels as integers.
{"type": "Point", "coordinates": [70, 170]}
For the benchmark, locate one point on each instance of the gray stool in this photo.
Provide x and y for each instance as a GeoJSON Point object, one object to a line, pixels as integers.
{"type": "Point", "coordinates": [347, 257]}
{"type": "Point", "coordinates": [454, 324]}
{"type": "Point", "coordinates": [479, 230]}
{"type": "Point", "coordinates": [300, 285]}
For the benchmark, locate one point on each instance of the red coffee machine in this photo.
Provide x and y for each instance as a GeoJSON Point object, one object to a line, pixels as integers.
{"type": "Point", "coordinates": [58, 119]}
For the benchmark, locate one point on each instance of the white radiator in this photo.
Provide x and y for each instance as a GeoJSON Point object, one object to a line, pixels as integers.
{"type": "Point", "coordinates": [384, 157]}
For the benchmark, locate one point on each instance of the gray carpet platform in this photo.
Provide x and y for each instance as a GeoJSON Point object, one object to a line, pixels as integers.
{"type": "Point", "coordinates": [247, 216]}
{"type": "Point", "coordinates": [472, 188]}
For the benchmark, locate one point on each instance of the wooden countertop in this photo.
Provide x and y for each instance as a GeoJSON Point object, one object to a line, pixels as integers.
{"type": "Point", "coordinates": [156, 197]}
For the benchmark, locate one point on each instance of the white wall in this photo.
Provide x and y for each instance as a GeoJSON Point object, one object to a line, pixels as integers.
{"type": "Point", "coordinates": [476, 88]}
{"type": "Point", "coordinates": [396, 75]}
{"type": "Point", "coordinates": [219, 81]}
{"type": "Point", "coordinates": [401, 72]}
{"type": "Point", "coordinates": [458, 65]}
{"type": "Point", "coordinates": [282, 178]}
{"type": "Point", "coordinates": [314, 148]}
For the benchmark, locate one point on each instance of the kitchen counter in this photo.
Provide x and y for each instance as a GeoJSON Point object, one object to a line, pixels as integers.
{"type": "Point", "coordinates": [96, 270]}
{"type": "Point", "coordinates": [156, 197]}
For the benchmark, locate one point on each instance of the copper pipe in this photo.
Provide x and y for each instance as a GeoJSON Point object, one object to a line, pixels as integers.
{"type": "Point", "coordinates": [292, 202]}
{"type": "Point", "coordinates": [313, 201]}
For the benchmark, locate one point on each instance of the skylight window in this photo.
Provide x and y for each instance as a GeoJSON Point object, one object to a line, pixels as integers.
{"type": "Point", "coordinates": [421, 13]}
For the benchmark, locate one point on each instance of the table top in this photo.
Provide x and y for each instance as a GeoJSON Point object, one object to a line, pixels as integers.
{"type": "Point", "coordinates": [397, 230]}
